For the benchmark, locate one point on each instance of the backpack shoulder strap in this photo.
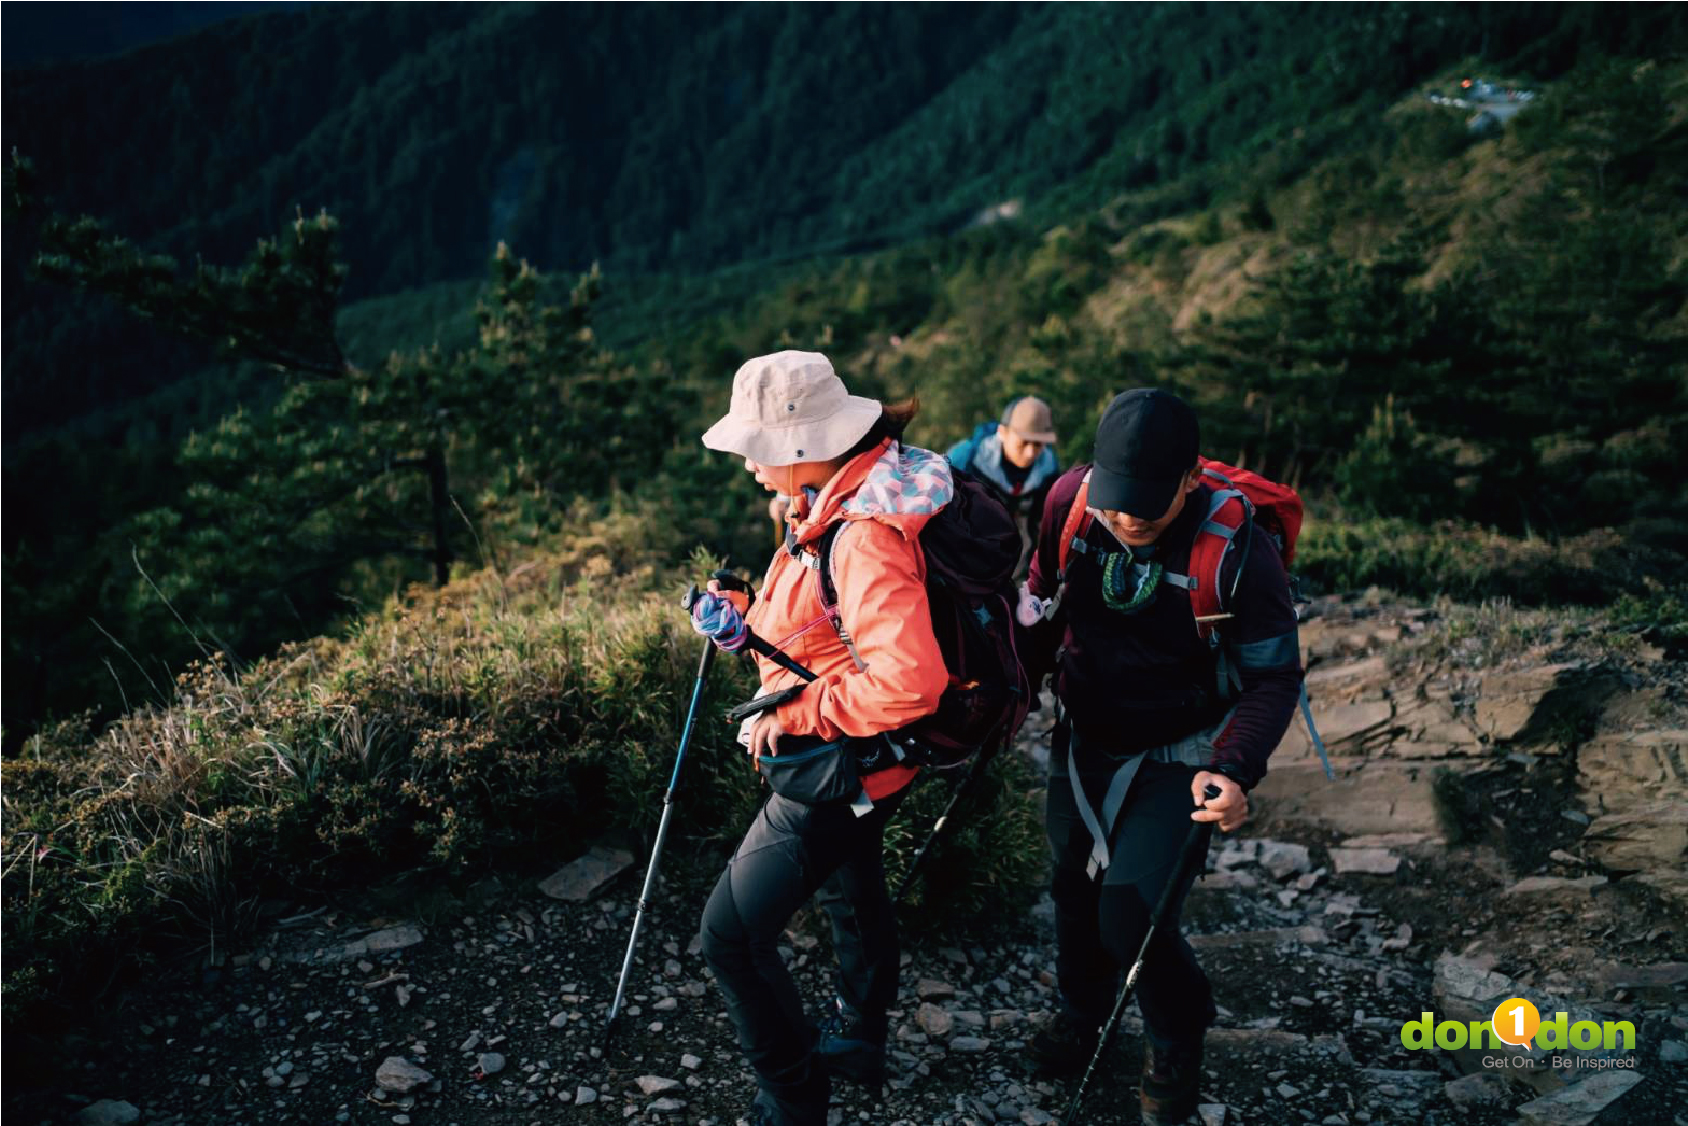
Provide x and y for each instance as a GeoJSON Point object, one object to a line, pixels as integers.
{"type": "Point", "coordinates": [824, 547]}
{"type": "Point", "coordinates": [1229, 519]}
{"type": "Point", "coordinates": [827, 592]}
{"type": "Point", "coordinates": [1073, 529]}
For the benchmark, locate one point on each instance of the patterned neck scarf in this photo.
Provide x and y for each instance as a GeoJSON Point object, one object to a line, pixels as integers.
{"type": "Point", "coordinates": [1129, 586]}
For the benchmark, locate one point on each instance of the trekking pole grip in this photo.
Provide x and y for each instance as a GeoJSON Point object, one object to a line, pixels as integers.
{"type": "Point", "coordinates": [726, 580]}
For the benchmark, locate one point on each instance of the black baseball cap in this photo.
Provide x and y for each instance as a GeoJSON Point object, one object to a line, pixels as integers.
{"type": "Point", "coordinates": [1146, 443]}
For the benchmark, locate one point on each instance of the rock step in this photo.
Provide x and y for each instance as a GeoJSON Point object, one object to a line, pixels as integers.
{"type": "Point", "coordinates": [1308, 935]}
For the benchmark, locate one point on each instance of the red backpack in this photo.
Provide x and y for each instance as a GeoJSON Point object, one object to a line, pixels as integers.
{"type": "Point", "coordinates": [1243, 496]}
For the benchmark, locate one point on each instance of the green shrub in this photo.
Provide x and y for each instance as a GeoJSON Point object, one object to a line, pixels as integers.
{"type": "Point", "coordinates": [989, 865]}
{"type": "Point", "coordinates": [501, 718]}
{"type": "Point", "coordinates": [1395, 469]}
{"type": "Point", "coordinates": [1468, 563]}
{"type": "Point", "coordinates": [1660, 615]}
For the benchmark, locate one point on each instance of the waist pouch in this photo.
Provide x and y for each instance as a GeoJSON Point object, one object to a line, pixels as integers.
{"type": "Point", "coordinates": [812, 771]}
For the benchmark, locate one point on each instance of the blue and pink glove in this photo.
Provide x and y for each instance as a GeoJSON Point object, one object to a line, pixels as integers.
{"type": "Point", "coordinates": [716, 616]}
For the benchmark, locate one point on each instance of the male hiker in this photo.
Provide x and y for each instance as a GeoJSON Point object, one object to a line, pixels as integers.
{"type": "Point", "coordinates": [1156, 705]}
{"type": "Point", "coordinates": [1016, 458]}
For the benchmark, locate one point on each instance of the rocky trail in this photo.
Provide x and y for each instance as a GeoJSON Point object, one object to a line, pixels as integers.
{"type": "Point", "coordinates": [1505, 823]}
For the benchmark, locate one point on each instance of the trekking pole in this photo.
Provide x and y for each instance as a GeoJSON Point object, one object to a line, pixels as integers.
{"type": "Point", "coordinates": [703, 666]}
{"type": "Point", "coordinates": [1195, 851]}
{"type": "Point", "coordinates": [974, 773]}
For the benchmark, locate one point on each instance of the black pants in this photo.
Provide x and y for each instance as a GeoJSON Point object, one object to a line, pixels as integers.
{"type": "Point", "coordinates": [791, 852]}
{"type": "Point", "coordinates": [1100, 924]}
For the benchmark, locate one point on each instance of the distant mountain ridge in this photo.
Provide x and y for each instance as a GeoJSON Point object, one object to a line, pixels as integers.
{"type": "Point", "coordinates": [38, 34]}
{"type": "Point", "coordinates": [695, 136]}
{"type": "Point", "coordinates": [689, 138]}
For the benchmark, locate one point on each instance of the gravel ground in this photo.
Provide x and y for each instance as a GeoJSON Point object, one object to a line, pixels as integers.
{"type": "Point", "coordinates": [492, 1003]}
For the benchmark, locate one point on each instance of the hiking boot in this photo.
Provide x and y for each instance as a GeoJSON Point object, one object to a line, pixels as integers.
{"type": "Point", "coordinates": [848, 1048]}
{"type": "Point", "coordinates": [1063, 1047]}
{"type": "Point", "coordinates": [806, 1105]}
{"type": "Point", "coordinates": [1171, 1081]}
{"type": "Point", "coordinates": [768, 1114]}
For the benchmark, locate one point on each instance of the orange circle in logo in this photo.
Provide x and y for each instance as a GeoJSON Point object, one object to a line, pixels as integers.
{"type": "Point", "coordinates": [1515, 1022]}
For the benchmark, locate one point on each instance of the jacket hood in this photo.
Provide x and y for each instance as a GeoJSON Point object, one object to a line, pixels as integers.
{"type": "Point", "coordinates": [902, 486]}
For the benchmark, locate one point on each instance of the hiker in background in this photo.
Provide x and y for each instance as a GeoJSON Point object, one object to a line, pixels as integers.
{"type": "Point", "coordinates": [1156, 704]}
{"type": "Point", "coordinates": [839, 458]}
{"type": "Point", "coordinates": [1016, 458]}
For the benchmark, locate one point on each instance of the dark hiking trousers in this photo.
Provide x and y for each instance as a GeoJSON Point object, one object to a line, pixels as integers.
{"type": "Point", "coordinates": [1100, 923]}
{"type": "Point", "coordinates": [792, 852]}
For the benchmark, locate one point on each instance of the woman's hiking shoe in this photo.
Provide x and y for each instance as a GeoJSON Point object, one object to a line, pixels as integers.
{"type": "Point", "coordinates": [847, 1047]}
{"type": "Point", "coordinates": [1062, 1047]}
{"type": "Point", "coordinates": [1171, 1082]}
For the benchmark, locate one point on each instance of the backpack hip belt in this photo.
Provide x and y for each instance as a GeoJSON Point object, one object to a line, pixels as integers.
{"type": "Point", "coordinates": [1194, 750]}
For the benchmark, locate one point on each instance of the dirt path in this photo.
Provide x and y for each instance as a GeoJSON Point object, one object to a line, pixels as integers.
{"type": "Point", "coordinates": [1315, 972]}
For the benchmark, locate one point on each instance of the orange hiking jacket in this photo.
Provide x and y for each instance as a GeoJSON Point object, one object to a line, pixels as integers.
{"type": "Point", "coordinates": [880, 575]}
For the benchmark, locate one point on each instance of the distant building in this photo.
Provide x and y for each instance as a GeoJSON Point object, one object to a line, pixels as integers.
{"type": "Point", "coordinates": [1002, 212]}
{"type": "Point", "coordinates": [1494, 105]}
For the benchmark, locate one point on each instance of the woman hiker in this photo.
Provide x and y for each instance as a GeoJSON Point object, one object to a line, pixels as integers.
{"type": "Point", "coordinates": [841, 458]}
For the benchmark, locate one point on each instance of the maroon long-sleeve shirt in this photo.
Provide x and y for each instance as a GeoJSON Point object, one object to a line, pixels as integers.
{"type": "Point", "coordinates": [1135, 681]}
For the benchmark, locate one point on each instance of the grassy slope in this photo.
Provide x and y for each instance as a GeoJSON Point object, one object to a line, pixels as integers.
{"type": "Point", "coordinates": [1074, 310]}
{"type": "Point", "coordinates": [512, 717]}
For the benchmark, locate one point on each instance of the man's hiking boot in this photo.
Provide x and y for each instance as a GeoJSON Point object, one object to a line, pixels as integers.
{"type": "Point", "coordinates": [1062, 1047]}
{"type": "Point", "coordinates": [804, 1102]}
{"type": "Point", "coordinates": [848, 1048]}
{"type": "Point", "coordinates": [766, 1111]}
{"type": "Point", "coordinates": [1171, 1081]}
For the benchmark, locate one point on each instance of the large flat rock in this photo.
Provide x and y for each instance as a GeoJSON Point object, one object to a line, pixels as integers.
{"type": "Point", "coordinates": [1367, 797]}
{"type": "Point", "coordinates": [1278, 936]}
{"type": "Point", "coordinates": [581, 879]}
{"type": "Point", "coordinates": [1364, 861]}
{"type": "Point", "coordinates": [1647, 838]}
{"type": "Point", "coordinates": [1468, 988]}
{"type": "Point", "coordinates": [1620, 770]}
{"type": "Point", "coordinates": [1531, 705]}
{"type": "Point", "coordinates": [1581, 1104]}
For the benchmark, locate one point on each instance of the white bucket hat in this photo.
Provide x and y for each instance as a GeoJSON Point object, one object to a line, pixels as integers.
{"type": "Point", "coordinates": [791, 407]}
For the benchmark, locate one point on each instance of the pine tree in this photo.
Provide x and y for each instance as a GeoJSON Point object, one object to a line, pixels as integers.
{"type": "Point", "coordinates": [346, 479]}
